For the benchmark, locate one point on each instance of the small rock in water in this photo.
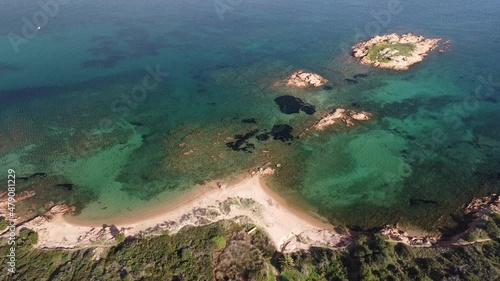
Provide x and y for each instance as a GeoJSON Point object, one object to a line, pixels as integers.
{"type": "Point", "coordinates": [302, 79]}
{"type": "Point", "coordinates": [249, 121]}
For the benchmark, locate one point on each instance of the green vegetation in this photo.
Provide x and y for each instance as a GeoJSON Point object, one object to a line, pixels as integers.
{"type": "Point", "coordinates": [220, 251]}
{"type": "Point", "coordinates": [375, 259]}
{"type": "Point", "coordinates": [382, 52]}
{"type": "Point", "coordinates": [3, 223]}
{"type": "Point", "coordinates": [27, 237]}
{"type": "Point", "coordinates": [120, 238]}
{"type": "Point", "coordinates": [220, 241]}
{"type": "Point", "coordinates": [228, 251]}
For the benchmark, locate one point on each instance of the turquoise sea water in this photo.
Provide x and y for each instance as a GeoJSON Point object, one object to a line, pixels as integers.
{"type": "Point", "coordinates": [71, 105]}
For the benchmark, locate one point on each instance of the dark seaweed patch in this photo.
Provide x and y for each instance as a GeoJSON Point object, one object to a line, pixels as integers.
{"type": "Point", "coordinates": [308, 109]}
{"type": "Point", "coordinates": [491, 99]}
{"type": "Point", "coordinates": [328, 88]}
{"type": "Point", "coordinates": [282, 133]}
{"type": "Point", "coordinates": [136, 124]}
{"type": "Point", "coordinates": [351, 81]}
{"type": "Point", "coordinates": [33, 176]}
{"type": "Point", "coordinates": [5, 68]}
{"type": "Point", "coordinates": [67, 186]}
{"type": "Point", "coordinates": [262, 137]}
{"type": "Point", "coordinates": [241, 142]}
{"type": "Point", "coordinates": [108, 62]}
{"type": "Point", "coordinates": [360, 75]}
{"type": "Point", "coordinates": [421, 201]}
{"type": "Point", "coordinates": [292, 105]}
{"type": "Point", "coordinates": [249, 121]}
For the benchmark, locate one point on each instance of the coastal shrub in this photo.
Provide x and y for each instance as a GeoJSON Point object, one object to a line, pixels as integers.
{"type": "Point", "coordinates": [198, 253]}
{"type": "Point", "coordinates": [403, 251]}
{"type": "Point", "coordinates": [27, 237]}
{"type": "Point", "coordinates": [120, 237]}
{"type": "Point", "coordinates": [382, 52]}
{"type": "Point", "coordinates": [492, 229]}
{"type": "Point", "coordinates": [219, 241]}
{"type": "Point", "coordinates": [3, 223]}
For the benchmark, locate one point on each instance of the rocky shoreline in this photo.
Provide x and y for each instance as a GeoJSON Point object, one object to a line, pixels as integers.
{"type": "Point", "coordinates": [480, 210]}
{"type": "Point", "coordinates": [393, 51]}
{"type": "Point", "coordinates": [242, 204]}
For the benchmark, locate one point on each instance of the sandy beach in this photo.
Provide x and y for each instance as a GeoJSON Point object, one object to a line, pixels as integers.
{"type": "Point", "coordinates": [248, 200]}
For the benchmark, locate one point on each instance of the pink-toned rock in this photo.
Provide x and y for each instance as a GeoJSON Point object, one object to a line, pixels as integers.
{"type": "Point", "coordinates": [395, 60]}
{"type": "Point", "coordinates": [302, 79]}
{"type": "Point", "coordinates": [341, 116]}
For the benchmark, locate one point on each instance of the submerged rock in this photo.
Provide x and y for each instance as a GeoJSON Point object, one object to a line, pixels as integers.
{"type": "Point", "coordinates": [33, 176]}
{"type": "Point", "coordinates": [242, 143]}
{"type": "Point", "coordinates": [282, 133]}
{"type": "Point", "coordinates": [67, 186]}
{"type": "Point", "coordinates": [418, 201]}
{"type": "Point", "coordinates": [394, 51]}
{"type": "Point", "coordinates": [360, 75]}
{"type": "Point", "coordinates": [249, 121]}
{"type": "Point", "coordinates": [302, 79]}
{"type": "Point", "coordinates": [292, 105]}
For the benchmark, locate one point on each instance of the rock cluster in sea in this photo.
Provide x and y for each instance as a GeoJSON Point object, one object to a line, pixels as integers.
{"type": "Point", "coordinates": [486, 205]}
{"type": "Point", "coordinates": [302, 79]}
{"type": "Point", "coordinates": [392, 58]}
{"type": "Point", "coordinates": [341, 116]}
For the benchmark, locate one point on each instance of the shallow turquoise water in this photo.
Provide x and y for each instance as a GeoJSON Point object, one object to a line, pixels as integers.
{"type": "Point", "coordinates": [67, 108]}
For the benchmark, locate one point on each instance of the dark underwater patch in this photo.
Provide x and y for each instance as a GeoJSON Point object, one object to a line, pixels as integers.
{"type": "Point", "coordinates": [241, 142]}
{"type": "Point", "coordinates": [136, 124]}
{"type": "Point", "coordinates": [249, 121]}
{"type": "Point", "coordinates": [360, 75]}
{"type": "Point", "coordinates": [34, 176]}
{"type": "Point", "coordinates": [67, 186]}
{"type": "Point", "coordinates": [292, 105]}
{"type": "Point", "coordinates": [6, 68]}
{"type": "Point", "coordinates": [282, 133]}
{"type": "Point", "coordinates": [262, 137]}
{"type": "Point", "coordinates": [417, 201]}
{"type": "Point", "coordinates": [351, 81]}
{"type": "Point", "coordinates": [108, 62]}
